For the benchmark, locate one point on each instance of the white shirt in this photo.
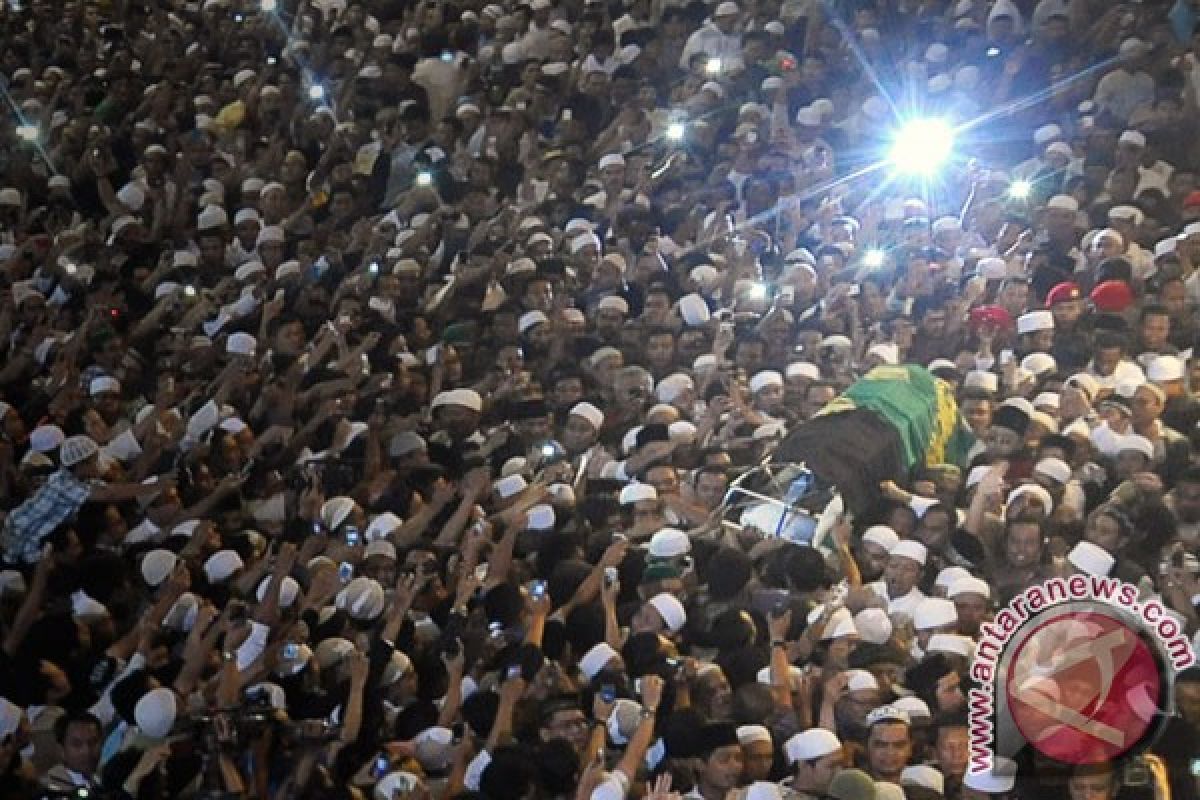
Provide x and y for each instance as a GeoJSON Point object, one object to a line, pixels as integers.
{"type": "Point", "coordinates": [900, 605]}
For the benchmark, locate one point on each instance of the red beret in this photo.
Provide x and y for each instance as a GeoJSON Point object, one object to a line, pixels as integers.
{"type": "Point", "coordinates": [1112, 296]}
{"type": "Point", "coordinates": [1062, 293]}
{"type": "Point", "coordinates": [994, 316]}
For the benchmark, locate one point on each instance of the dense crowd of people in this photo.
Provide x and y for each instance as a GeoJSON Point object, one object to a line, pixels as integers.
{"type": "Point", "coordinates": [376, 374]}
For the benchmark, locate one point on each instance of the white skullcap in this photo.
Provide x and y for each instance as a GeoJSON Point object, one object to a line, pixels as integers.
{"type": "Point", "coordinates": [671, 610]}
{"type": "Point", "coordinates": [1039, 363]}
{"type": "Point", "coordinates": [1165, 368]}
{"type": "Point", "coordinates": [669, 543]}
{"type": "Point", "coordinates": [887, 352]}
{"type": "Point", "coordinates": [810, 745]}
{"type": "Point", "coordinates": [873, 625]}
{"type": "Point", "coordinates": [529, 319]}
{"type": "Point", "coordinates": [241, 343]}
{"type": "Point", "coordinates": [1054, 468]}
{"type": "Point", "coordinates": [335, 510]}
{"type": "Point", "coordinates": [764, 379]}
{"type": "Point", "coordinates": [913, 706]}
{"type": "Point", "coordinates": [636, 493]}
{"type": "Point", "coordinates": [909, 548]}
{"type": "Point", "coordinates": [924, 776]}
{"type": "Point", "coordinates": [979, 379]}
{"type": "Point", "coordinates": [221, 564]}
{"type": "Point", "coordinates": [1137, 443]}
{"type": "Point", "coordinates": [949, 575]}
{"type": "Point", "coordinates": [934, 612]}
{"type": "Point", "coordinates": [596, 659]}
{"type": "Point", "coordinates": [694, 310]}
{"type": "Point", "coordinates": [748, 734]}
{"type": "Point", "coordinates": [952, 643]}
{"type": "Point", "coordinates": [103, 384]}
{"type": "Point", "coordinates": [1035, 321]}
{"type": "Point", "coordinates": [362, 599]}
{"type": "Point", "coordinates": [155, 713]}
{"type": "Point", "coordinates": [289, 590]}
{"type": "Point", "coordinates": [467, 398]}
{"type": "Point", "coordinates": [1091, 558]}
{"type": "Point", "coordinates": [157, 565]}
{"type": "Point", "coordinates": [803, 369]}
{"type": "Point", "coordinates": [589, 412]}
{"type": "Point", "coordinates": [858, 680]}
{"type": "Point", "coordinates": [613, 303]}
{"type": "Point", "coordinates": [969, 585]}
{"type": "Point", "coordinates": [881, 535]}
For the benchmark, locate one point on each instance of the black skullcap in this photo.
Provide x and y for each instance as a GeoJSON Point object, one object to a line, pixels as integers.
{"type": "Point", "coordinates": [716, 735]}
{"type": "Point", "coordinates": [479, 711]}
{"type": "Point", "coordinates": [509, 775]}
{"type": "Point", "coordinates": [922, 678]}
{"type": "Point", "coordinates": [869, 654]}
{"type": "Point", "coordinates": [642, 653]}
{"type": "Point", "coordinates": [681, 734]}
{"type": "Point", "coordinates": [503, 603]}
{"type": "Point", "coordinates": [727, 572]}
{"type": "Point", "coordinates": [1012, 418]}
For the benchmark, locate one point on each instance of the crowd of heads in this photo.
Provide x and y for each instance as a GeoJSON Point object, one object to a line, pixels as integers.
{"type": "Point", "coordinates": [378, 380]}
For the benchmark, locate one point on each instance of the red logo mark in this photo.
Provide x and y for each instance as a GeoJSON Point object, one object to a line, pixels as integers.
{"type": "Point", "coordinates": [1083, 687]}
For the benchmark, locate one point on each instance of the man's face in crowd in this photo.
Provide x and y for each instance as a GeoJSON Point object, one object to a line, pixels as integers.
{"type": "Point", "coordinates": [570, 724]}
{"type": "Point", "coordinates": [977, 411]}
{"type": "Point", "coordinates": [1187, 502]}
{"type": "Point", "coordinates": [1001, 441]}
{"type": "Point", "coordinates": [1155, 330]}
{"type": "Point", "coordinates": [1023, 545]}
{"type": "Point", "coordinates": [889, 746]}
{"type": "Point", "coordinates": [711, 487]}
{"type": "Point", "coordinates": [873, 560]}
{"type": "Point", "coordinates": [951, 750]}
{"type": "Point", "coordinates": [901, 575]}
{"type": "Point", "coordinates": [722, 770]}
{"type": "Point", "coordinates": [1107, 359]}
{"type": "Point", "coordinates": [972, 610]}
{"type": "Point", "coordinates": [660, 352]}
{"type": "Point", "coordinates": [81, 747]}
{"type": "Point", "coordinates": [1147, 406]}
{"type": "Point", "coordinates": [1093, 785]}
{"type": "Point", "coordinates": [577, 434]}
{"type": "Point", "coordinates": [664, 479]}
{"type": "Point", "coordinates": [814, 776]}
{"type": "Point", "coordinates": [934, 529]}
{"type": "Point", "coordinates": [816, 398]}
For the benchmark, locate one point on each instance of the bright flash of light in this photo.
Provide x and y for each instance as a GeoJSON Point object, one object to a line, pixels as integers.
{"type": "Point", "coordinates": [28, 133]}
{"type": "Point", "coordinates": [424, 179]}
{"type": "Point", "coordinates": [922, 146]}
{"type": "Point", "coordinates": [675, 131]}
{"type": "Point", "coordinates": [758, 291]}
{"type": "Point", "coordinates": [316, 92]}
{"type": "Point", "coordinates": [873, 258]}
{"type": "Point", "coordinates": [713, 67]}
{"type": "Point", "coordinates": [1019, 190]}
